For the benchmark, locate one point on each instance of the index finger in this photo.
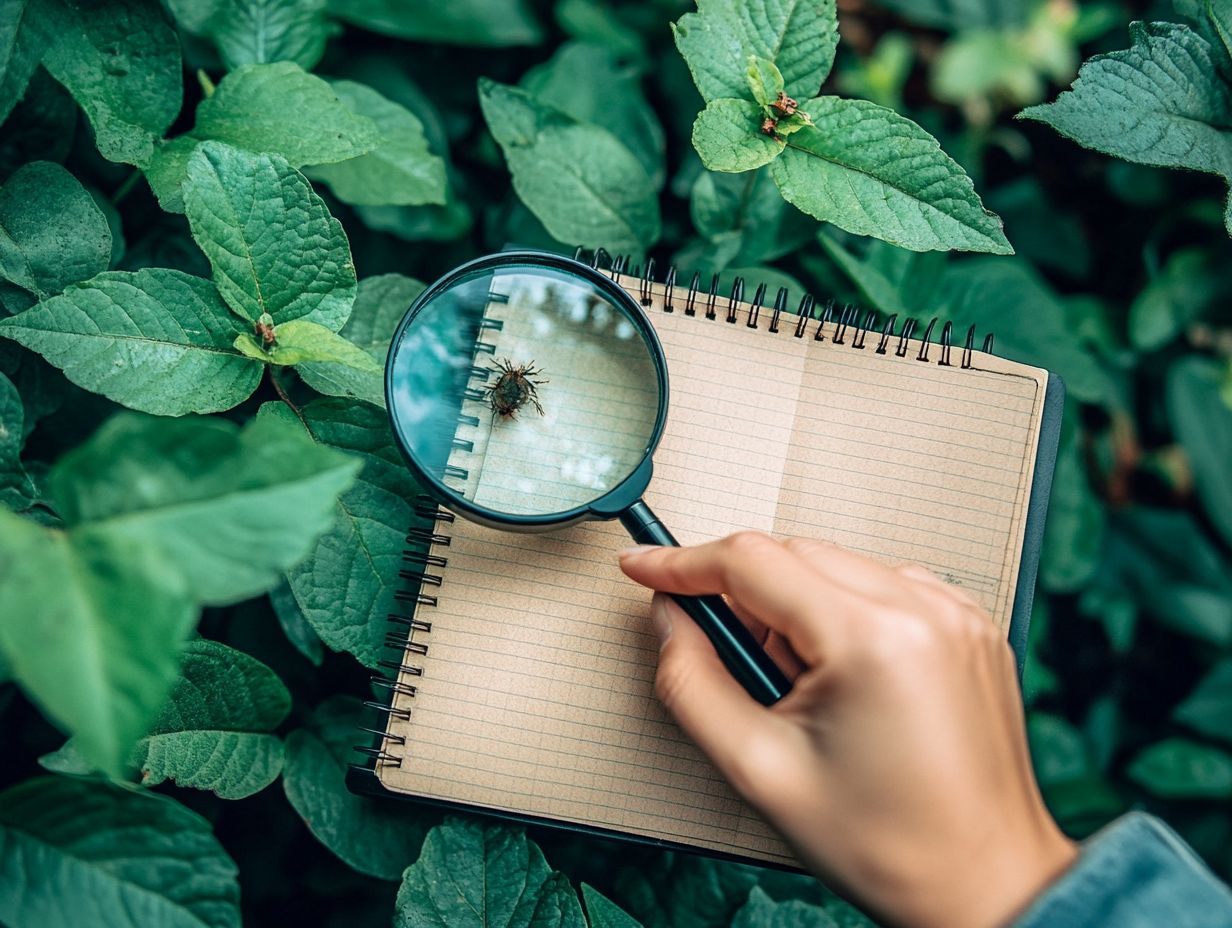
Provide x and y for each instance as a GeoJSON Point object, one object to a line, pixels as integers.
{"type": "Point", "coordinates": [762, 576]}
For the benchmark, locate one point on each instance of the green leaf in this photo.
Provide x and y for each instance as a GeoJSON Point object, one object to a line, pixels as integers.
{"type": "Point", "coordinates": [282, 109]}
{"type": "Point", "coordinates": [743, 217]}
{"type": "Point", "coordinates": [121, 62]}
{"type": "Point", "coordinates": [19, 54]}
{"type": "Point", "coordinates": [763, 912]}
{"type": "Point", "coordinates": [474, 873]}
{"type": "Point", "coordinates": [799, 36]}
{"type": "Point", "coordinates": [300, 341]}
{"type": "Point", "coordinates": [270, 239]}
{"type": "Point", "coordinates": [373, 837]}
{"type": "Point", "coordinates": [229, 509]}
{"type": "Point", "coordinates": [52, 233]}
{"type": "Point", "coordinates": [1180, 769]}
{"type": "Point", "coordinates": [214, 730]}
{"type": "Point", "coordinates": [90, 626]}
{"type": "Point", "coordinates": [1208, 707]}
{"type": "Point", "coordinates": [611, 96]}
{"type": "Point", "coordinates": [601, 912]}
{"type": "Point", "coordinates": [872, 172]}
{"type": "Point", "coordinates": [167, 169]}
{"type": "Point", "coordinates": [157, 340]}
{"type": "Point", "coordinates": [1202, 422]}
{"type": "Point", "coordinates": [727, 135]}
{"type": "Point", "coordinates": [581, 182]}
{"type": "Point", "coordinates": [1058, 751]}
{"type": "Point", "coordinates": [399, 171]}
{"type": "Point", "coordinates": [295, 625]}
{"type": "Point", "coordinates": [765, 80]}
{"type": "Point", "coordinates": [132, 859]}
{"type": "Point", "coordinates": [1077, 521]}
{"type": "Point", "coordinates": [1187, 288]}
{"type": "Point", "coordinates": [379, 305]}
{"type": "Point", "coordinates": [346, 586]}
{"type": "Point", "coordinates": [1162, 102]}
{"type": "Point", "coordinates": [893, 280]}
{"type": "Point", "coordinates": [452, 22]}
{"type": "Point", "coordinates": [263, 31]}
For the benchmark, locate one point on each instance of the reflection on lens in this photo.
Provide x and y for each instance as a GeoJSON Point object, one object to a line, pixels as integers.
{"type": "Point", "coordinates": [525, 390]}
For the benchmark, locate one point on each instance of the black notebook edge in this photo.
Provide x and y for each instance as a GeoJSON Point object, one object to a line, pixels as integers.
{"type": "Point", "coordinates": [1037, 517]}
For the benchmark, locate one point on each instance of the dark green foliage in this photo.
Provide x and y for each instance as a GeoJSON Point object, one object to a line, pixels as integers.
{"type": "Point", "coordinates": [216, 211]}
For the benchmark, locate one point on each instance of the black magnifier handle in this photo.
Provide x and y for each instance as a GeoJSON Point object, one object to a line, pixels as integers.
{"type": "Point", "coordinates": [735, 644]}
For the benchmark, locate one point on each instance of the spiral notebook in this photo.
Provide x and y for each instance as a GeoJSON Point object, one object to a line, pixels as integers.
{"type": "Point", "coordinates": [525, 663]}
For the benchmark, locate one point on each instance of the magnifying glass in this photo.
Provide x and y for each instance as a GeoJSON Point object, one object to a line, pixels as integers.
{"type": "Point", "coordinates": [528, 392]}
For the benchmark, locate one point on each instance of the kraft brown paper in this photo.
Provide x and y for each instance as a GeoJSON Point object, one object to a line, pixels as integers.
{"type": "Point", "coordinates": [536, 691]}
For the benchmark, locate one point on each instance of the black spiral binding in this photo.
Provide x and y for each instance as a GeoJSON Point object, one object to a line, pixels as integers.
{"type": "Point", "coordinates": [404, 637]}
{"type": "Point", "coordinates": [850, 326]}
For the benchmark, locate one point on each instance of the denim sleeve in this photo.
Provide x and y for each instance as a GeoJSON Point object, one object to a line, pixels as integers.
{"type": "Point", "coordinates": [1136, 873]}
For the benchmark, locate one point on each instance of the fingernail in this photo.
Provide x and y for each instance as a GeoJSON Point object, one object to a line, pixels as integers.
{"type": "Point", "coordinates": [637, 549]}
{"type": "Point", "coordinates": [661, 618]}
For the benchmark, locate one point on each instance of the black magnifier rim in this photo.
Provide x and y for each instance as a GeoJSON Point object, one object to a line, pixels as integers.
{"type": "Point", "coordinates": [615, 500]}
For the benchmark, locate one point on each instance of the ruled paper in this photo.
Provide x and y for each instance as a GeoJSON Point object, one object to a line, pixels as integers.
{"type": "Point", "coordinates": [536, 694]}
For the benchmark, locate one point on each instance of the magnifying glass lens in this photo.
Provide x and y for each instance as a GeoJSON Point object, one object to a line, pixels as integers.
{"type": "Point", "coordinates": [525, 390]}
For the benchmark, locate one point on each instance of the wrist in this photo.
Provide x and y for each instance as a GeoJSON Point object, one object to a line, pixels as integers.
{"type": "Point", "coordinates": [989, 884]}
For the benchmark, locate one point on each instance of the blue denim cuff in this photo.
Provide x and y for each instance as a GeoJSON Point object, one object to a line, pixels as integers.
{"type": "Point", "coordinates": [1135, 873]}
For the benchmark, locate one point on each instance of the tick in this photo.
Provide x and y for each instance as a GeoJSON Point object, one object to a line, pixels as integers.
{"type": "Point", "coordinates": [513, 388]}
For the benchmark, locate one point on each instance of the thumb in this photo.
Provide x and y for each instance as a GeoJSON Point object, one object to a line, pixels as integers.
{"type": "Point", "coordinates": [704, 698]}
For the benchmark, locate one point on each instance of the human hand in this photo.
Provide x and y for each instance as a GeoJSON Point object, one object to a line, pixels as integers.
{"type": "Point", "coordinates": [897, 767]}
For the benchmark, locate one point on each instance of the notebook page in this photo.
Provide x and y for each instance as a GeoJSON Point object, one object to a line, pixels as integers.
{"type": "Point", "coordinates": [536, 695]}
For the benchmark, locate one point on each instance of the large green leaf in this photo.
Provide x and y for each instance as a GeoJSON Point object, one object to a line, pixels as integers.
{"type": "Point", "coordinates": [376, 838]}
{"type": "Point", "coordinates": [475, 874]}
{"type": "Point", "coordinates": [1202, 422]}
{"type": "Point", "coordinates": [400, 171]}
{"type": "Point", "coordinates": [1164, 101]}
{"type": "Point", "coordinates": [728, 137]}
{"type": "Point", "coordinates": [270, 239]}
{"type": "Point", "coordinates": [90, 626]}
{"type": "Point", "coordinates": [455, 22]}
{"type": "Point", "coordinates": [1181, 769]}
{"type": "Point", "coordinates": [161, 515]}
{"type": "Point", "coordinates": [582, 183]}
{"type": "Point", "coordinates": [258, 31]}
{"type": "Point", "coordinates": [157, 340]}
{"type": "Point", "coordinates": [120, 59]}
{"type": "Point", "coordinates": [281, 108]}
{"type": "Point", "coordinates": [214, 730]}
{"type": "Point", "coordinates": [380, 304]}
{"type": "Point", "coordinates": [76, 852]}
{"type": "Point", "coordinates": [870, 171]}
{"type": "Point", "coordinates": [277, 108]}
{"type": "Point", "coordinates": [52, 233]}
{"type": "Point", "coordinates": [610, 96]}
{"type": "Point", "coordinates": [346, 586]}
{"type": "Point", "coordinates": [230, 508]}
{"type": "Point", "coordinates": [799, 36]}
{"type": "Point", "coordinates": [1208, 708]}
